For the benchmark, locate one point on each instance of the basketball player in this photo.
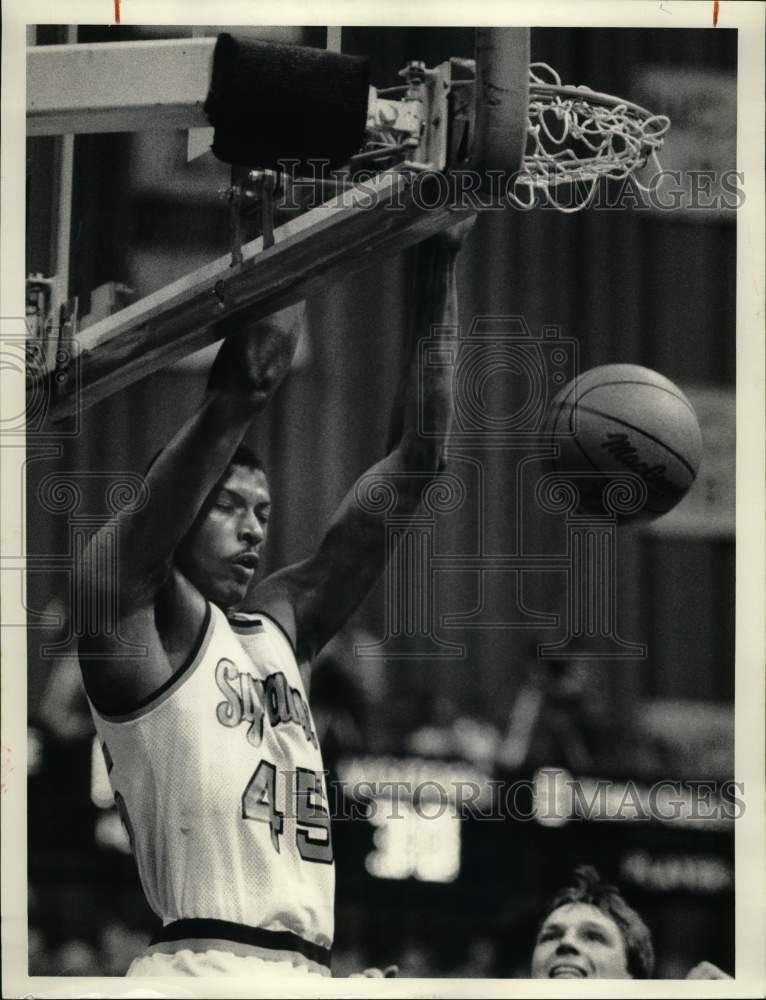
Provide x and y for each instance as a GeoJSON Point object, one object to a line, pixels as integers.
{"type": "Point", "coordinates": [206, 731]}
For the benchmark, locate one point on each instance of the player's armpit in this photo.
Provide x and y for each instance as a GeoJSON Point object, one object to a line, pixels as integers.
{"type": "Point", "coordinates": [149, 646]}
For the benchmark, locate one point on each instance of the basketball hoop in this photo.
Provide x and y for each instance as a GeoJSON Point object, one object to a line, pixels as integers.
{"type": "Point", "coordinates": [576, 136]}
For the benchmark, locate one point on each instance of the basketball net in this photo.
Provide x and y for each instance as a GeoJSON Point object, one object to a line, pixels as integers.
{"type": "Point", "coordinates": [576, 136]}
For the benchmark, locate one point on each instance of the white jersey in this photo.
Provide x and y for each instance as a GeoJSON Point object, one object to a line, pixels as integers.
{"type": "Point", "coordinates": [219, 780]}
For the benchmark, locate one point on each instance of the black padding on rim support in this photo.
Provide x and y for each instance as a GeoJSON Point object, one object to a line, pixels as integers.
{"type": "Point", "coordinates": [269, 102]}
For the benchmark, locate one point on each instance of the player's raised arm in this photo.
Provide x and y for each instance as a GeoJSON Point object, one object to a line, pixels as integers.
{"type": "Point", "coordinates": [159, 604]}
{"type": "Point", "coordinates": [248, 368]}
{"type": "Point", "coordinates": [314, 598]}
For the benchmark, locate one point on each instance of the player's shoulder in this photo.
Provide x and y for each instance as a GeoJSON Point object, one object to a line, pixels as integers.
{"type": "Point", "coordinates": [261, 621]}
{"type": "Point", "coordinates": [275, 601]}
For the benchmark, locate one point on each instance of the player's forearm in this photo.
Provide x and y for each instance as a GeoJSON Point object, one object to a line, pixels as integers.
{"type": "Point", "coordinates": [428, 401]}
{"type": "Point", "coordinates": [178, 484]}
{"type": "Point", "coordinates": [324, 590]}
{"type": "Point", "coordinates": [248, 368]}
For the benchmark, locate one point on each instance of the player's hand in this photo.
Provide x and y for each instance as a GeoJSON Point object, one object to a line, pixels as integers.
{"type": "Point", "coordinates": [252, 361]}
{"type": "Point", "coordinates": [390, 972]}
{"type": "Point", "coordinates": [706, 970]}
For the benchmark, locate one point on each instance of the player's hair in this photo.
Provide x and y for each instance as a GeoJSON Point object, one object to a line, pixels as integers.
{"type": "Point", "coordinates": [587, 887]}
{"type": "Point", "coordinates": [244, 456]}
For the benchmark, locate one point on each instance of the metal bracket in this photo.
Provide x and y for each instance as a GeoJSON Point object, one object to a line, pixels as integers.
{"type": "Point", "coordinates": [49, 319]}
{"type": "Point", "coordinates": [413, 130]}
{"type": "Point", "coordinates": [248, 187]}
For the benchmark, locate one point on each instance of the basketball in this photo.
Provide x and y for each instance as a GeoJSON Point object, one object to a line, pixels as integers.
{"type": "Point", "coordinates": [625, 418]}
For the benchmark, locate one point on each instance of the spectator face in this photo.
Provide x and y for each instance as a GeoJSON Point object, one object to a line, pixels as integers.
{"type": "Point", "coordinates": [579, 941]}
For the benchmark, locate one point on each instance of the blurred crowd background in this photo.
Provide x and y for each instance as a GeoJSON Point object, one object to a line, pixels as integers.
{"type": "Point", "coordinates": [440, 897]}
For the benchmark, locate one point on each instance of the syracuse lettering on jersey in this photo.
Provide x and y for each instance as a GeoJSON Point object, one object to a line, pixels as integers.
{"type": "Point", "coordinates": [247, 699]}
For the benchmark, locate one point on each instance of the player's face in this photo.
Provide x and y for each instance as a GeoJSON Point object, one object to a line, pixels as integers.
{"type": "Point", "coordinates": [220, 555]}
{"type": "Point", "coordinates": [578, 941]}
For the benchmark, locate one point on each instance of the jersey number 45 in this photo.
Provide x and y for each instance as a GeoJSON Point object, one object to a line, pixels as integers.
{"type": "Point", "coordinates": [312, 833]}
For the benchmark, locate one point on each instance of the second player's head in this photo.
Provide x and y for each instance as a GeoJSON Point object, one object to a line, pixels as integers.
{"type": "Point", "coordinates": [221, 552]}
{"type": "Point", "coordinates": [588, 931]}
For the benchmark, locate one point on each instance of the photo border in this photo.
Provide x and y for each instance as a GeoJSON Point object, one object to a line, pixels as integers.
{"type": "Point", "coordinates": [750, 835]}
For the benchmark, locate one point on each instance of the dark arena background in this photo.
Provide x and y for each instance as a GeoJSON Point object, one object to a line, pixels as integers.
{"type": "Point", "coordinates": [469, 699]}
